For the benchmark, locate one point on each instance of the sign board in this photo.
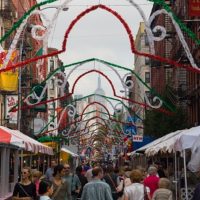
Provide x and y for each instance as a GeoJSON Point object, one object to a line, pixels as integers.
{"type": "Point", "coordinates": [38, 124]}
{"type": "Point", "coordinates": [10, 102]}
{"type": "Point", "coordinates": [194, 8]}
{"type": "Point", "coordinates": [137, 138]}
{"type": "Point", "coordinates": [130, 129]}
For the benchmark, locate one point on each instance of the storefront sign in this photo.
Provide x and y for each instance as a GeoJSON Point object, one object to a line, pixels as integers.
{"type": "Point", "coordinates": [10, 102]}
{"type": "Point", "coordinates": [194, 7]}
{"type": "Point", "coordinates": [38, 125]}
{"type": "Point", "coordinates": [137, 138]}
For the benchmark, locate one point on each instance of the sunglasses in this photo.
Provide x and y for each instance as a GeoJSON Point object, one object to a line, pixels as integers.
{"type": "Point", "coordinates": [24, 172]}
{"type": "Point", "coordinates": [66, 167]}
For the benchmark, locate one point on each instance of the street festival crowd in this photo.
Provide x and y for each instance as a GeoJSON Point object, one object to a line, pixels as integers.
{"type": "Point", "coordinates": [95, 182]}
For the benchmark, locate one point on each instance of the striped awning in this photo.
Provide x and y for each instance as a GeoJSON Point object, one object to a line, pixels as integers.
{"type": "Point", "coordinates": [17, 138]}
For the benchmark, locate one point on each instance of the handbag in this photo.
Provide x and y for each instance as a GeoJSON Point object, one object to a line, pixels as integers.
{"type": "Point", "coordinates": [116, 193]}
{"type": "Point", "coordinates": [57, 190]}
{"type": "Point", "coordinates": [120, 193]}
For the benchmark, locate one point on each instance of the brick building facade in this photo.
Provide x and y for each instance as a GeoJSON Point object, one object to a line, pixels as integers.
{"type": "Point", "coordinates": [184, 85]}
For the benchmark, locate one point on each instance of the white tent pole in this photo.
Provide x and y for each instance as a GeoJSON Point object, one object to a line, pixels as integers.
{"type": "Point", "coordinates": [22, 161]}
{"type": "Point", "coordinates": [167, 164]}
{"type": "Point", "coordinates": [185, 175]}
{"type": "Point", "coordinates": [31, 160]}
{"type": "Point", "coordinates": [176, 178]}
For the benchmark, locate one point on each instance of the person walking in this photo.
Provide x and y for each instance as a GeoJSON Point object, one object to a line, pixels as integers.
{"type": "Point", "coordinates": [164, 192]}
{"type": "Point", "coordinates": [112, 180]}
{"type": "Point", "coordinates": [60, 187]}
{"type": "Point", "coordinates": [72, 181]}
{"type": "Point", "coordinates": [36, 175]}
{"type": "Point", "coordinates": [25, 189]}
{"type": "Point", "coordinates": [152, 180]}
{"type": "Point", "coordinates": [96, 189]}
{"type": "Point", "coordinates": [45, 189]}
{"type": "Point", "coordinates": [82, 179]}
{"type": "Point", "coordinates": [136, 191]}
{"type": "Point", "coordinates": [50, 170]}
{"type": "Point", "coordinates": [196, 195]}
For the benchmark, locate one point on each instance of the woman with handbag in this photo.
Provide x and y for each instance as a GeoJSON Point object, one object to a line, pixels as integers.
{"type": "Point", "coordinates": [60, 187]}
{"type": "Point", "coordinates": [25, 189]}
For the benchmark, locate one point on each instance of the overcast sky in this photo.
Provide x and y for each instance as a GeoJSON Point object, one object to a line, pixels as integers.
{"type": "Point", "coordinates": [99, 34]}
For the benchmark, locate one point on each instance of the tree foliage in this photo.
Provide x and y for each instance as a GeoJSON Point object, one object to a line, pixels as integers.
{"type": "Point", "coordinates": [158, 124]}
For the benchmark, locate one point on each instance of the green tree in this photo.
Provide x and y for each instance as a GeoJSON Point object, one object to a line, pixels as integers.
{"type": "Point", "coordinates": [158, 123]}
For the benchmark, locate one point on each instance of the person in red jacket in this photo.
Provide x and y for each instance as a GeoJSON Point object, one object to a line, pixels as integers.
{"type": "Point", "coordinates": [152, 180]}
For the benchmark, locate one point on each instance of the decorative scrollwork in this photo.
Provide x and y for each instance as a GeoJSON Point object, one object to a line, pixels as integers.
{"type": "Point", "coordinates": [33, 98]}
{"type": "Point", "coordinates": [60, 80]}
{"type": "Point", "coordinates": [34, 32]}
{"type": "Point", "coordinates": [155, 100]}
{"type": "Point", "coordinates": [118, 111]}
{"type": "Point", "coordinates": [178, 30]}
{"type": "Point", "coordinates": [129, 84]}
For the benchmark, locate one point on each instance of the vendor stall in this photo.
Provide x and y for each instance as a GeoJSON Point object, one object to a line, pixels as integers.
{"type": "Point", "coordinates": [11, 141]}
{"type": "Point", "coordinates": [182, 141]}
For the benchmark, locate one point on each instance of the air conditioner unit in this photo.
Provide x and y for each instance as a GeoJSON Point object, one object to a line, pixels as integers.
{"type": "Point", "coordinates": [16, 15]}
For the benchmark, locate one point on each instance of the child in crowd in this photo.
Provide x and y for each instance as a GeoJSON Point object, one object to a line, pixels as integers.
{"type": "Point", "coordinates": [45, 189]}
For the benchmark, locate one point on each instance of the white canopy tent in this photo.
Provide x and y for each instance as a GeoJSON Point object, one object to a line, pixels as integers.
{"type": "Point", "coordinates": [156, 142]}
{"type": "Point", "coordinates": [65, 149]}
{"type": "Point", "coordinates": [187, 138]}
{"type": "Point", "coordinates": [178, 141]}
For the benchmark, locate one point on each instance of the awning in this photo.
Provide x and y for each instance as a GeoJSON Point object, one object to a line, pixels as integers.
{"type": "Point", "coordinates": [176, 141]}
{"type": "Point", "coordinates": [6, 137]}
{"type": "Point", "coordinates": [155, 142]}
{"type": "Point", "coordinates": [68, 151]}
{"type": "Point", "coordinates": [21, 140]}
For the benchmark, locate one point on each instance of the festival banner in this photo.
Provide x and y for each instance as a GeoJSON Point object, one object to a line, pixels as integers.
{"type": "Point", "coordinates": [10, 101]}
{"type": "Point", "coordinates": [8, 79]}
{"type": "Point", "coordinates": [194, 8]}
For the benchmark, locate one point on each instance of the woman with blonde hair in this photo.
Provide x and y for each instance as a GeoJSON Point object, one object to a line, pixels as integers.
{"type": "Point", "coordinates": [164, 192]}
{"type": "Point", "coordinates": [36, 175]}
{"type": "Point", "coordinates": [136, 191]}
{"type": "Point", "coordinates": [25, 189]}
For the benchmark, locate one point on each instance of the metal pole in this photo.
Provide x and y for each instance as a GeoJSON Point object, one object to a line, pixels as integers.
{"type": "Point", "coordinates": [20, 89]}
{"type": "Point", "coordinates": [175, 177]}
{"type": "Point", "coordinates": [185, 175]}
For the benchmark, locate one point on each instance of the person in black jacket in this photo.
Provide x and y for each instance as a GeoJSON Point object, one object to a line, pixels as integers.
{"type": "Point", "coordinates": [112, 179]}
{"type": "Point", "coordinates": [82, 179]}
{"type": "Point", "coordinates": [196, 195]}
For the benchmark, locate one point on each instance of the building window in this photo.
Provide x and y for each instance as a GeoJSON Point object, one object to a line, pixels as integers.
{"type": "Point", "coordinates": [51, 65]}
{"type": "Point", "coordinates": [147, 77]}
{"type": "Point", "coordinates": [146, 41]}
{"type": "Point", "coordinates": [51, 84]}
{"type": "Point", "coordinates": [147, 61]}
{"type": "Point", "coordinates": [168, 75]}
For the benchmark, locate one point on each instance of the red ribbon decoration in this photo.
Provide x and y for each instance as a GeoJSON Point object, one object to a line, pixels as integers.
{"type": "Point", "coordinates": [128, 30]}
